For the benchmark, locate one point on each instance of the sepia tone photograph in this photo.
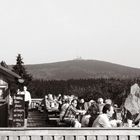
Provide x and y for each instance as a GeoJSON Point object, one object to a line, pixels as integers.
{"type": "Point", "coordinates": [69, 70]}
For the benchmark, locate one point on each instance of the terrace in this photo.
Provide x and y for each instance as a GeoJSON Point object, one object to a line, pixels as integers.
{"type": "Point", "coordinates": [38, 130]}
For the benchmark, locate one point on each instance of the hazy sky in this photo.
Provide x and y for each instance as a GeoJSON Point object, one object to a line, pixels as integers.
{"type": "Point", "coordinates": [45, 31]}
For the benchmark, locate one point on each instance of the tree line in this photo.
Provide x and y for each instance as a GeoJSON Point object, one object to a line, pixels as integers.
{"type": "Point", "coordinates": [115, 89]}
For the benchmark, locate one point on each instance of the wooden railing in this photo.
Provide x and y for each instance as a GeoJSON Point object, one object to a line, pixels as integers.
{"type": "Point", "coordinates": [69, 134]}
{"type": "Point", "coordinates": [35, 102]}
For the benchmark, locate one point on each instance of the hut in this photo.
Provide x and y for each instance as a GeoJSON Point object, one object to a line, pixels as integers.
{"type": "Point", "coordinates": [7, 79]}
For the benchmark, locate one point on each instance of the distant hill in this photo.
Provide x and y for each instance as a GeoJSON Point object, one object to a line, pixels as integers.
{"type": "Point", "coordinates": [81, 69]}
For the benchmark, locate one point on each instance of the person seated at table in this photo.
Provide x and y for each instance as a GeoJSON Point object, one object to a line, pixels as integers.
{"type": "Point", "coordinates": [51, 105]}
{"type": "Point", "coordinates": [100, 104]}
{"type": "Point", "coordinates": [64, 108]}
{"type": "Point", "coordinates": [103, 119]}
{"type": "Point", "coordinates": [93, 111]}
{"type": "Point", "coordinates": [114, 116]}
{"type": "Point", "coordinates": [108, 101]}
{"type": "Point", "coordinates": [91, 115]}
{"type": "Point", "coordinates": [80, 104]}
{"type": "Point", "coordinates": [70, 116]}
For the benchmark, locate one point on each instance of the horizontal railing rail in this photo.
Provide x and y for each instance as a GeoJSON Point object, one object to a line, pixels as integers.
{"type": "Point", "coordinates": [35, 103]}
{"type": "Point", "coordinates": [69, 134]}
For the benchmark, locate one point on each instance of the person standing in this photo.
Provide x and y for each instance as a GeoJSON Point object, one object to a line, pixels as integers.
{"type": "Point", "coordinates": [27, 99]}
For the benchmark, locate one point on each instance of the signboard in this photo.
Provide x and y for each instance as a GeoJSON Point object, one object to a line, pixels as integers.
{"type": "Point", "coordinates": [18, 110]}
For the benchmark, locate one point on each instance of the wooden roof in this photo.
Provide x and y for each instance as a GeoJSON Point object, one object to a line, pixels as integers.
{"type": "Point", "coordinates": [9, 73]}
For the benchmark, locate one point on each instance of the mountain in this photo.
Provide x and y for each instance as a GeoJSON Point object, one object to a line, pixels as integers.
{"type": "Point", "coordinates": [81, 69]}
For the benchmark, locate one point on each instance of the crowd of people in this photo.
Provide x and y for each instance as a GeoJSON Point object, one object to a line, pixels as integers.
{"type": "Point", "coordinates": [75, 112]}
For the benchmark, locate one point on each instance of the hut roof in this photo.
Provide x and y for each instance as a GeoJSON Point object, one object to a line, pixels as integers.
{"type": "Point", "coordinates": [9, 72]}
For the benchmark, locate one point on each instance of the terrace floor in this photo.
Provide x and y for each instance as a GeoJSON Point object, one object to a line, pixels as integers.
{"type": "Point", "coordinates": [39, 119]}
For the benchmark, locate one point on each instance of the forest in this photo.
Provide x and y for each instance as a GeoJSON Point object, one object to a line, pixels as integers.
{"type": "Point", "coordinates": [115, 89]}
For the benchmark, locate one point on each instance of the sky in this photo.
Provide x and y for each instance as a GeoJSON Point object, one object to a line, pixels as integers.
{"type": "Point", "coordinates": [46, 31]}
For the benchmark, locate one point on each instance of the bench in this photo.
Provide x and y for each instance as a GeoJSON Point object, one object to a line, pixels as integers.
{"type": "Point", "coordinates": [56, 122]}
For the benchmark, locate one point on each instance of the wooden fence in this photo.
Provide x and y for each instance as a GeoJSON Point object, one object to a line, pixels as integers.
{"type": "Point", "coordinates": [69, 134]}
